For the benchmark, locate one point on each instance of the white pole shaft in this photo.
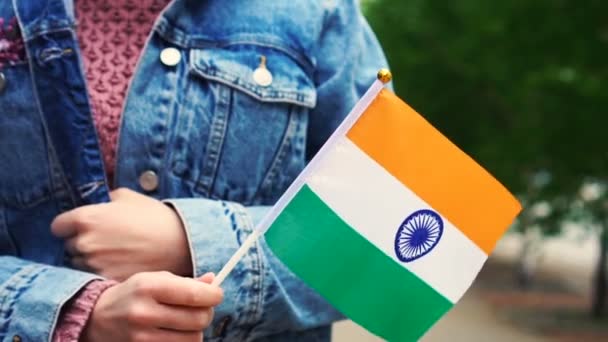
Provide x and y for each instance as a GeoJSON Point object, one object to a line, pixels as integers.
{"type": "Point", "coordinates": [238, 255]}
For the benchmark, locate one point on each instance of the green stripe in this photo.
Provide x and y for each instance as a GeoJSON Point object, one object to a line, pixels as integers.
{"type": "Point", "coordinates": [355, 276]}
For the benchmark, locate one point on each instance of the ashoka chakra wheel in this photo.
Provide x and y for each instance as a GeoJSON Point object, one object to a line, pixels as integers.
{"type": "Point", "coordinates": [418, 235]}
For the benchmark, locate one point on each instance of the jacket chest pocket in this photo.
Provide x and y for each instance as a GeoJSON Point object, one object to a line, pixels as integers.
{"type": "Point", "coordinates": [24, 170]}
{"type": "Point", "coordinates": [244, 120]}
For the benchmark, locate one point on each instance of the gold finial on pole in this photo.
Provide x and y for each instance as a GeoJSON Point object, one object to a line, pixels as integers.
{"type": "Point", "coordinates": [385, 76]}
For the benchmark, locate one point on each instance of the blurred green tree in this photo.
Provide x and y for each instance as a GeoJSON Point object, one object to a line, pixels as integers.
{"type": "Point", "coordinates": [520, 86]}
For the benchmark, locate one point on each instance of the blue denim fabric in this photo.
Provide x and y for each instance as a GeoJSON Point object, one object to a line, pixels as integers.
{"type": "Point", "coordinates": [224, 147]}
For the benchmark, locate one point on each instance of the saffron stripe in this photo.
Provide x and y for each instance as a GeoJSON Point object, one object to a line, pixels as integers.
{"type": "Point", "coordinates": [426, 162]}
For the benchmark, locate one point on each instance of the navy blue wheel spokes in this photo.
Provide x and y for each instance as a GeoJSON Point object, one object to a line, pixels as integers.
{"type": "Point", "coordinates": [418, 235]}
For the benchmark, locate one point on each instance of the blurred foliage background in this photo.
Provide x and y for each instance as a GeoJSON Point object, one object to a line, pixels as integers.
{"type": "Point", "coordinates": [521, 86]}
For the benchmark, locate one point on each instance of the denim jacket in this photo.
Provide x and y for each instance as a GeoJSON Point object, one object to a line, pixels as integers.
{"type": "Point", "coordinates": [201, 132]}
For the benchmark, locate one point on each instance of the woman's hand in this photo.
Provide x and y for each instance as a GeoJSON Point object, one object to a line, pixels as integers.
{"type": "Point", "coordinates": [131, 234]}
{"type": "Point", "coordinates": [152, 307]}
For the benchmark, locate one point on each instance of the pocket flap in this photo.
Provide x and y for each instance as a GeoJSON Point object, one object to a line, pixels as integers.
{"type": "Point", "coordinates": [236, 67]}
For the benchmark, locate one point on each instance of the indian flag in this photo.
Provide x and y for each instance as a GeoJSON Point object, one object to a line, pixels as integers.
{"type": "Point", "coordinates": [390, 221]}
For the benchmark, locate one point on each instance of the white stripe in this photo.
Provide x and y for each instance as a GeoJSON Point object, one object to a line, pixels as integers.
{"type": "Point", "coordinates": [375, 203]}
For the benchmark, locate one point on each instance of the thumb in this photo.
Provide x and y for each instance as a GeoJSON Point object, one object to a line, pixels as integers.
{"type": "Point", "coordinates": [207, 278]}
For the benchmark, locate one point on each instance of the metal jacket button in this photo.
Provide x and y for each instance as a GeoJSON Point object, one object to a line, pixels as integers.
{"type": "Point", "coordinates": [262, 76]}
{"type": "Point", "coordinates": [16, 338]}
{"type": "Point", "coordinates": [170, 56]}
{"type": "Point", "coordinates": [148, 180]}
{"type": "Point", "coordinates": [2, 82]}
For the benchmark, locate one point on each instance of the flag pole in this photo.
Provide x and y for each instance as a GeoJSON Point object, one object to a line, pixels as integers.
{"type": "Point", "coordinates": [383, 77]}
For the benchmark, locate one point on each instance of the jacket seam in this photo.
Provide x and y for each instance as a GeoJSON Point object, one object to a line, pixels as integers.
{"type": "Point", "coordinates": [244, 224]}
{"type": "Point", "coordinates": [50, 146]}
{"type": "Point", "coordinates": [13, 288]}
{"type": "Point", "coordinates": [279, 155]}
{"type": "Point", "coordinates": [217, 130]}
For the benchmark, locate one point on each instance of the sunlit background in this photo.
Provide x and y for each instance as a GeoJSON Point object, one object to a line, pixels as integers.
{"type": "Point", "coordinates": [521, 86]}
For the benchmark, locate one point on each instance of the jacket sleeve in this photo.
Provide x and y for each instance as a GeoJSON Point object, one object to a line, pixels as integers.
{"type": "Point", "coordinates": [32, 295]}
{"type": "Point", "coordinates": [262, 297]}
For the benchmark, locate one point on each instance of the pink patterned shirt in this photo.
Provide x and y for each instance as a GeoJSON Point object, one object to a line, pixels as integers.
{"type": "Point", "coordinates": [112, 34]}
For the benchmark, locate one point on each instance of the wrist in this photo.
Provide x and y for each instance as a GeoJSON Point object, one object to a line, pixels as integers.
{"type": "Point", "coordinates": [89, 332]}
{"type": "Point", "coordinates": [76, 313]}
